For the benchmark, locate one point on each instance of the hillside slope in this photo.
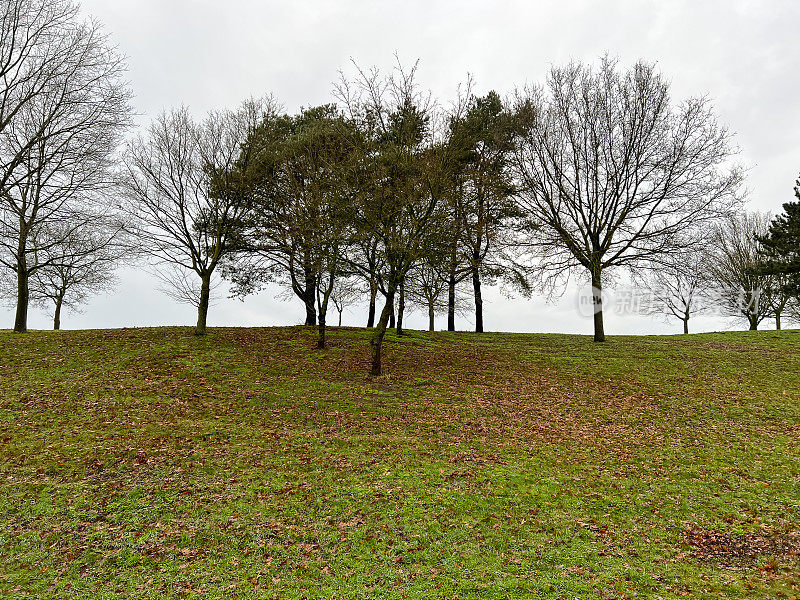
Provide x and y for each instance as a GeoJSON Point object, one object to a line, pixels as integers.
{"type": "Point", "coordinates": [148, 463]}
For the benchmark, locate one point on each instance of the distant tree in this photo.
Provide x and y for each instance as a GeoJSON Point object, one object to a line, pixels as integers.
{"type": "Point", "coordinates": [188, 196]}
{"type": "Point", "coordinates": [365, 254]}
{"type": "Point", "coordinates": [481, 138]}
{"type": "Point", "coordinates": [780, 295]}
{"type": "Point", "coordinates": [735, 265]}
{"type": "Point", "coordinates": [84, 267]}
{"type": "Point", "coordinates": [346, 293]}
{"type": "Point", "coordinates": [781, 245]}
{"type": "Point", "coordinates": [64, 104]}
{"type": "Point", "coordinates": [427, 290]}
{"type": "Point", "coordinates": [678, 289]}
{"type": "Point", "coordinates": [611, 173]}
{"type": "Point", "coordinates": [458, 268]}
{"type": "Point", "coordinates": [401, 208]}
{"type": "Point", "coordinates": [793, 309]}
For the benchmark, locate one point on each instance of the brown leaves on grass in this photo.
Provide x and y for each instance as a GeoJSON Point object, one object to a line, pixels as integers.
{"type": "Point", "coordinates": [464, 391]}
{"type": "Point", "coordinates": [729, 549]}
{"type": "Point", "coordinates": [177, 419]}
{"type": "Point", "coordinates": [480, 459]}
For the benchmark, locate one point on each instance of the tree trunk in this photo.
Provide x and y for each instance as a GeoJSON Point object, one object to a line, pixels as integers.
{"type": "Point", "coordinates": [391, 313]}
{"type": "Point", "coordinates": [476, 286]}
{"type": "Point", "coordinates": [431, 320]}
{"type": "Point", "coordinates": [202, 306]}
{"type": "Point", "coordinates": [451, 292]}
{"type": "Point", "coordinates": [753, 323]}
{"type": "Point", "coordinates": [597, 302]}
{"type": "Point", "coordinates": [401, 309]}
{"type": "Point", "coordinates": [323, 314]}
{"type": "Point", "coordinates": [23, 295]}
{"type": "Point", "coordinates": [451, 302]}
{"type": "Point", "coordinates": [321, 330]}
{"type": "Point", "coordinates": [57, 313]}
{"type": "Point", "coordinates": [310, 298]}
{"type": "Point", "coordinates": [777, 321]}
{"type": "Point", "coordinates": [323, 309]}
{"type": "Point", "coordinates": [686, 326]}
{"type": "Point", "coordinates": [377, 337]}
{"type": "Point", "coordinates": [340, 318]}
{"type": "Point", "coordinates": [311, 313]}
{"type": "Point", "coordinates": [373, 292]}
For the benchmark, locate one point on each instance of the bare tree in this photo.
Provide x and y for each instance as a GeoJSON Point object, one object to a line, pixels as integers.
{"type": "Point", "coordinates": [793, 309]}
{"type": "Point", "coordinates": [458, 267]}
{"type": "Point", "coordinates": [678, 288]}
{"type": "Point", "coordinates": [85, 264]}
{"type": "Point", "coordinates": [779, 295]}
{"type": "Point", "coordinates": [742, 289]}
{"type": "Point", "coordinates": [427, 287]}
{"type": "Point", "coordinates": [364, 252]}
{"type": "Point", "coordinates": [188, 195]}
{"type": "Point", "coordinates": [37, 53]}
{"type": "Point", "coordinates": [346, 293]}
{"type": "Point", "coordinates": [611, 173]}
{"type": "Point", "coordinates": [63, 108]}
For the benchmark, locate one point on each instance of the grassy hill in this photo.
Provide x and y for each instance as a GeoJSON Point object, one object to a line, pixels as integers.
{"type": "Point", "coordinates": [147, 463]}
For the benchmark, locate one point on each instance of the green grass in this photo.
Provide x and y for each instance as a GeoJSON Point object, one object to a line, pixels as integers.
{"type": "Point", "coordinates": [148, 463]}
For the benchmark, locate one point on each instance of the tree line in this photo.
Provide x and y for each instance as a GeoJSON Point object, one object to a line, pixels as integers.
{"type": "Point", "coordinates": [385, 193]}
{"type": "Point", "coordinates": [747, 270]}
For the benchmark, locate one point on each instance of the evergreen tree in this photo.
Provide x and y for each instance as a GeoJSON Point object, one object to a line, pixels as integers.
{"type": "Point", "coordinates": [782, 245]}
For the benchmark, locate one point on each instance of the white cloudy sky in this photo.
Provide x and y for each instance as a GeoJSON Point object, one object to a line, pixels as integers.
{"type": "Point", "coordinates": [207, 54]}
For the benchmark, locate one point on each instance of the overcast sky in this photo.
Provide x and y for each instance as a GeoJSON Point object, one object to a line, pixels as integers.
{"type": "Point", "coordinates": [209, 54]}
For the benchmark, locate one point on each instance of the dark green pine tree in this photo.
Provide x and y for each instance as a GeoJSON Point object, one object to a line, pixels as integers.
{"type": "Point", "coordinates": [782, 244]}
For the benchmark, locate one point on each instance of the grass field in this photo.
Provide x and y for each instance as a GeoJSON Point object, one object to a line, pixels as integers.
{"type": "Point", "coordinates": [147, 463]}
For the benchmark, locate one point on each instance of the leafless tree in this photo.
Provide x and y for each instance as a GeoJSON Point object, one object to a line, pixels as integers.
{"type": "Point", "coordinates": [779, 297]}
{"type": "Point", "coordinates": [611, 173]}
{"type": "Point", "coordinates": [458, 267]}
{"type": "Point", "coordinates": [427, 288]}
{"type": "Point", "coordinates": [346, 293]}
{"type": "Point", "coordinates": [741, 288]}
{"type": "Point", "coordinates": [63, 107]}
{"type": "Point", "coordinates": [364, 252]}
{"type": "Point", "coordinates": [188, 197]}
{"type": "Point", "coordinates": [793, 309]}
{"type": "Point", "coordinates": [37, 53]}
{"type": "Point", "coordinates": [85, 265]}
{"type": "Point", "coordinates": [678, 289]}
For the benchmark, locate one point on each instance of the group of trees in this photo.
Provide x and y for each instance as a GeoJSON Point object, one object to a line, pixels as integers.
{"type": "Point", "coordinates": [390, 193]}
{"type": "Point", "coordinates": [383, 194]}
{"type": "Point", "coordinates": [734, 274]}
{"type": "Point", "coordinates": [64, 106]}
